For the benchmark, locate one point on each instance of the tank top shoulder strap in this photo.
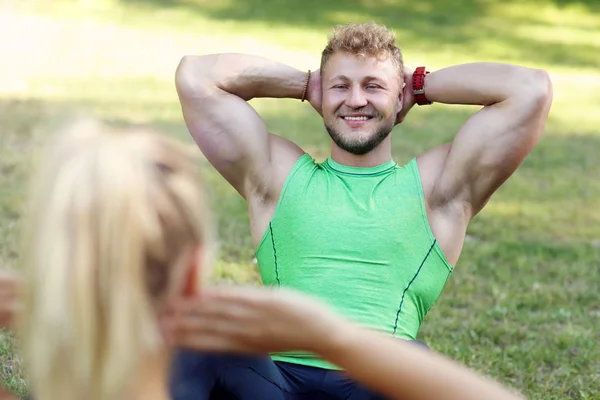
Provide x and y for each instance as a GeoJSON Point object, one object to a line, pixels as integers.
{"type": "Point", "coordinates": [301, 171]}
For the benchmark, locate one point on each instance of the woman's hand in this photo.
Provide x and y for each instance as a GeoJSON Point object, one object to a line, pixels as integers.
{"type": "Point", "coordinates": [251, 320]}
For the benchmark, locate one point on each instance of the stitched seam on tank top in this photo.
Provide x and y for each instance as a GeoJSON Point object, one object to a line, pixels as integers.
{"type": "Point", "coordinates": [410, 283]}
{"type": "Point", "coordinates": [274, 255]}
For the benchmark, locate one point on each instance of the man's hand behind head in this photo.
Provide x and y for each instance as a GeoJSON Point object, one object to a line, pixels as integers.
{"type": "Point", "coordinates": [314, 93]}
{"type": "Point", "coordinates": [407, 100]}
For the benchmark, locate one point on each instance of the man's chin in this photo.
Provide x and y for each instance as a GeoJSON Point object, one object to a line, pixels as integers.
{"type": "Point", "coordinates": [353, 135]}
{"type": "Point", "coordinates": [357, 141]}
{"type": "Point", "coordinates": [357, 147]}
{"type": "Point", "coordinates": [348, 133]}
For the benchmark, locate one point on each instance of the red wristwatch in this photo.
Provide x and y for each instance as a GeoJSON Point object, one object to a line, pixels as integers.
{"type": "Point", "coordinates": [418, 86]}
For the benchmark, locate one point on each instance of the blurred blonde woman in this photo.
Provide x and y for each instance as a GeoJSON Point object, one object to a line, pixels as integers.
{"type": "Point", "coordinates": [118, 240]}
{"type": "Point", "coordinates": [117, 226]}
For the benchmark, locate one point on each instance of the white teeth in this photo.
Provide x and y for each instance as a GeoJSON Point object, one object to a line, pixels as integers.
{"type": "Point", "coordinates": [356, 118]}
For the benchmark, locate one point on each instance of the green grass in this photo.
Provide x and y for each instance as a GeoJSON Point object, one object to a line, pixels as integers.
{"type": "Point", "coordinates": [523, 304]}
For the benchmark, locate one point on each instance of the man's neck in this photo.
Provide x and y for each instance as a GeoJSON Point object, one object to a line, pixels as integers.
{"type": "Point", "coordinates": [379, 155]}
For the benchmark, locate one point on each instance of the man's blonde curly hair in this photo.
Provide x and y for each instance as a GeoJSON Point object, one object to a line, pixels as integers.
{"type": "Point", "coordinates": [367, 40]}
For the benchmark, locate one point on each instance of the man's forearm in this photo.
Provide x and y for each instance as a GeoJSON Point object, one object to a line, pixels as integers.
{"type": "Point", "coordinates": [484, 84]}
{"type": "Point", "coordinates": [243, 75]}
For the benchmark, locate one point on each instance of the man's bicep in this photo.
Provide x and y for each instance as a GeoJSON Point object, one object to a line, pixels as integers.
{"type": "Point", "coordinates": [230, 134]}
{"type": "Point", "coordinates": [487, 150]}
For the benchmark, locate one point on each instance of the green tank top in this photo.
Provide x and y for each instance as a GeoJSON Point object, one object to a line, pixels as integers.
{"type": "Point", "coordinates": [358, 239]}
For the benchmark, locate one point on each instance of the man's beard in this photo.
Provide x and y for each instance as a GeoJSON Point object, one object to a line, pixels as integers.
{"type": "Point", "coordinates": [359, 145]}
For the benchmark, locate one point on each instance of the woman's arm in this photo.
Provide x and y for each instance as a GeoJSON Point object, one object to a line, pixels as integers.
{"type": "Point", "coordinates": [403, 370]}
{"type": "Point", "coordinates": [263, 320]}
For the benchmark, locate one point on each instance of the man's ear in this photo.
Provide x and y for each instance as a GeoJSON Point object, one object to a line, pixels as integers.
{"type": "Point", "coordinates": [401, 98]}
{"type": "Point", "coordinates": [192, 275]}
{"type": "Point", "coordinates": [401, 95]}
{"type": "Point", "coordinates": [400, 105]}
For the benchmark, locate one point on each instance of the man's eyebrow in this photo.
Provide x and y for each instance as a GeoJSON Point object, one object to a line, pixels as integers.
{"type": "Point", "coordinates": [366, 78]}
{"type": "Point", "coordinates": [373, 78]}
{"type": "Point", "coordinates": [340, 77]}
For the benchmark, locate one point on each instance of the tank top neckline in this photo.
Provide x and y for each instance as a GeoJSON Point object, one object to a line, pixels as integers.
{"type": "Point", "coordinates": [352, 170]}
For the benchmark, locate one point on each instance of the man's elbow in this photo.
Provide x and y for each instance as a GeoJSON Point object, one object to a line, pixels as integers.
{"type": "Point", "coordinates": [538, 86]}
{"type": "Point", "coordinates": [191, 78]}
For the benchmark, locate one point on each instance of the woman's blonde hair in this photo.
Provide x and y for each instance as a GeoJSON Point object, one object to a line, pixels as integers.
{"type": "Point", "coordinates": [112, 216]}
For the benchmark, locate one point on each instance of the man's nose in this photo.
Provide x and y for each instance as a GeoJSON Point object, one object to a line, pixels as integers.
{"type": "Point", "coordinates": [356, 98]}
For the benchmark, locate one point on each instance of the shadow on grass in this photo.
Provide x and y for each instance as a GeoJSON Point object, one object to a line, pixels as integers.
{"type": "Point", "coordinates": [436, 25]}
